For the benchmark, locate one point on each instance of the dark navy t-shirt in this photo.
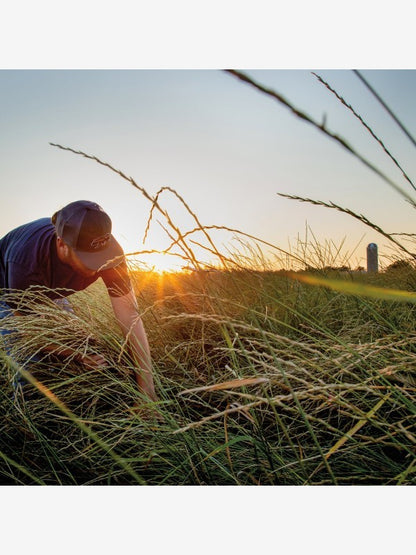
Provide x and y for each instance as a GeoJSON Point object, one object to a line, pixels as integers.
{"type": "Point", "coordinates": [28, 257]}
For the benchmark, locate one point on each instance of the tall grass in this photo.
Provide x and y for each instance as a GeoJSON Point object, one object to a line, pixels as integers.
{"type": "Point", "coordinates": [262, 379]}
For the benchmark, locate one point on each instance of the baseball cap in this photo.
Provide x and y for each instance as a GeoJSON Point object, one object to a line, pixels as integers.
{"type": "Point", "coordinates": [85, 227]}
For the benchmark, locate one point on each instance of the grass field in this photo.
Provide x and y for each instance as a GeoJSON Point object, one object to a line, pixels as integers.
{"type": "Point", "coordinates": [262, 379]}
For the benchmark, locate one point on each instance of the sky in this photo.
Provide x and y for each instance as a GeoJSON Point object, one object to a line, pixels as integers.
{"type": "Point", "coordinates": [224, 147]}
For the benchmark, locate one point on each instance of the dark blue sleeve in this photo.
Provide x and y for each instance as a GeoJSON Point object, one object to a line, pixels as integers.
{"type": "Point", "coordinates": [117, 280]}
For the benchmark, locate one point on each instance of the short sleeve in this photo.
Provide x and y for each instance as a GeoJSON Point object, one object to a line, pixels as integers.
{"type": "Point", "coordinates": [117, 280]}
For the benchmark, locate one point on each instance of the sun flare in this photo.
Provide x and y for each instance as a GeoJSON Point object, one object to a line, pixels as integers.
{"type": "Point", "coordinates": [159, 262]}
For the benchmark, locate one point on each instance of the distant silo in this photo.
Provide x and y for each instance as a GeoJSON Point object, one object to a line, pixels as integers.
{"type": "Point", "coordinates": [372, 258]}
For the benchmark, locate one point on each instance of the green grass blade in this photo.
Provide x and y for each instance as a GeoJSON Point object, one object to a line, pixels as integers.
{"type": "Point", "coordinates": [354, 288]}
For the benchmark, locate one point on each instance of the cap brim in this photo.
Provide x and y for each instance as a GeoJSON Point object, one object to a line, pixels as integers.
{"type": "Point", "coordinates": [110, 257]}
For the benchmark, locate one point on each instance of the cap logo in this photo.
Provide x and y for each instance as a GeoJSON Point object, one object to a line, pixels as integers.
{"type": "Point", "coordinates": [100, 242]}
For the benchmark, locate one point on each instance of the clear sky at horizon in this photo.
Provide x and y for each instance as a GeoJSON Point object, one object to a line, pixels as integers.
{"type": "Point", "coordinates": [224, 147]}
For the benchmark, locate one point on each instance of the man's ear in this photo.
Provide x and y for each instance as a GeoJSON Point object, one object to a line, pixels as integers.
{"type": "Point", "coordinates": [62, 246]}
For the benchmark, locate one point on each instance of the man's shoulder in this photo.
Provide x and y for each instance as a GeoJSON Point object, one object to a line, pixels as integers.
{"type": "Point", "coordinates": [41, 223]}
{"type": "Point", "coordinates": [31, 227]}
{"type": "Point", "coordinates": [33, 236]}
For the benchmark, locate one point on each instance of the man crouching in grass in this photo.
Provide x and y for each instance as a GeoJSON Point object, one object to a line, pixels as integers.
{"type": "Point", "coordinates": [66, 253]}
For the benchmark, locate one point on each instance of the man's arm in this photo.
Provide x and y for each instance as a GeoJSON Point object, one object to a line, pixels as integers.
{"type": "Point", "coordinates": [88, 360]}
{"type": "Point", "coordinates": [127, 315]}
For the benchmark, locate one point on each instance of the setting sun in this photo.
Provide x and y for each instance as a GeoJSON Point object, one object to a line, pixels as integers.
{"type": "Point", "coordinates": [158, 262]}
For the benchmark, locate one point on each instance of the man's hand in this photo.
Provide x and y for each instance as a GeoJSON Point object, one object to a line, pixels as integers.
{"type": "Point", "coordinates": [89, 361]}
{"type": "Point", "coordinates": [93, 361]}
{"type": "Point", "coordinates": [145, 412]}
